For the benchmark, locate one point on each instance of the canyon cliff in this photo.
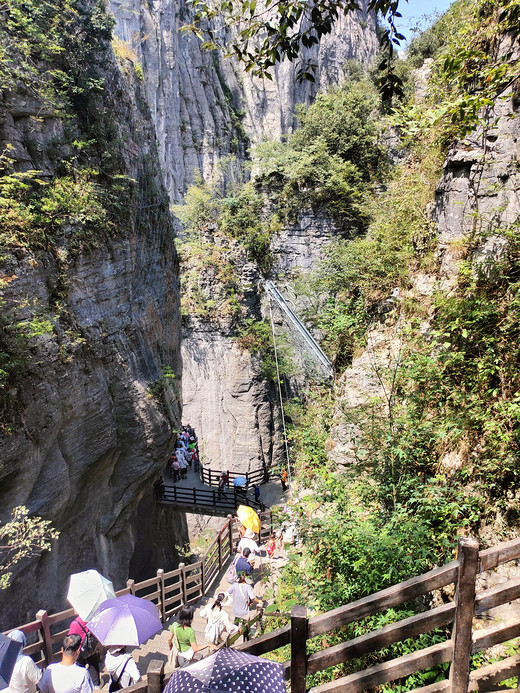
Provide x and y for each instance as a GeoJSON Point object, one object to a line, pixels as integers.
{"type": "Point", "coordinates": [90, 324]}
{"type": "Point", "coordinates": [91, 321]}
{"type": "Point", "coordinates": [207, 110]}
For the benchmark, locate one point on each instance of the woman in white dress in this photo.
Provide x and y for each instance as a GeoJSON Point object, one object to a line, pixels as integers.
{"type": "Point", "coordinates": [218, 620]}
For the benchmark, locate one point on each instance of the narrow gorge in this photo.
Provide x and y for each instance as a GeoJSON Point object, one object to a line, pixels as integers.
{"type": "Point", "coordinates": [92, 372]}
{"type": "Point", "coordinates": [149, 188]}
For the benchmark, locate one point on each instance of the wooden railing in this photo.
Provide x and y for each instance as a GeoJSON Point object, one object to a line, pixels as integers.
{"type": "Point", "coordinates": [168, 590]}
{"type": "Point", "coordinates": [457, 650]}
{"type": "Point", "coordinates": [217, 503]}
{"type": "Point", "coordinates": [189, 582]}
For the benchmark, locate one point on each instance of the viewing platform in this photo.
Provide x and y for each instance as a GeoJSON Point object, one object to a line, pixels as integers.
{"type": "Point", "coordinates": [199, 492]}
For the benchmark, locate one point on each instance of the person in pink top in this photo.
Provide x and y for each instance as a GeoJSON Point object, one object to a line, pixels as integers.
{"type": "Point", "coordinates": [88, 657]}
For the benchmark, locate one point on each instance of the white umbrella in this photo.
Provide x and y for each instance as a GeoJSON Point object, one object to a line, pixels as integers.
{"type": "Point", "coordinates": [87, 590]}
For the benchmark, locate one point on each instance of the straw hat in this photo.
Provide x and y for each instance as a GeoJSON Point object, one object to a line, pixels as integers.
{"type": "Point", "coordinates": [249, 534]}
{"type": "Point", "coordinates": [225, 602]}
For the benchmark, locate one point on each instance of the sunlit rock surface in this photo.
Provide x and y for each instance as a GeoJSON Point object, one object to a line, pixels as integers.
{"type": "Point", "coordinates": [90, 428]}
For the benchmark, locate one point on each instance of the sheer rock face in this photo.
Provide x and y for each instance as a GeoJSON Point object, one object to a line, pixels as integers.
{"type": "Point", "coordinates": [90, 430]}
{"type": "Point", "coordinates": [478, 191]}
{"type": "Point", "coordinates": [229, 405]}
{"type": "Point", "coordinates": [205, 107]}
{"type": "Point", "coordinates": [477, 194]}
{"type": "Point", "coordinates": [297, 248]}
{"type": "Point", "coordinates": [270, 104]}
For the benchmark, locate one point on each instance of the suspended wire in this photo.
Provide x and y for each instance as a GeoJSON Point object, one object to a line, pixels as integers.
{"type": "Point", "coordinates": [280, 390]}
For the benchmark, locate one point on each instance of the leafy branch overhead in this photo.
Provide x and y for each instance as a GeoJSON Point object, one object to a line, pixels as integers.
{"type": "Point", "coordinates": [262, 35]}
{"type": "Point", "coordinates": [22, 537]}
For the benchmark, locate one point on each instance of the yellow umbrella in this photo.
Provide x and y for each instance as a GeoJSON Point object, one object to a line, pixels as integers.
{"type": "Point", "coordinates": [249, 518]}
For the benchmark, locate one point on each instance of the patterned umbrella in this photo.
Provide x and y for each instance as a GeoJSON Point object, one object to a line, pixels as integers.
{"type": "Point", "coordinates": [126, 620]}
{"type": "Point", "coordinates": [229, 671]}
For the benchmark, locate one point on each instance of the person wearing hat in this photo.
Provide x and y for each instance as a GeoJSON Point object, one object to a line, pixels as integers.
{"type": "Point", "coordinates": [243, 597]}
{"type": "Point", "coordinates": [121, 667]}
{"type": "Point", "coordinates": [25, 674]}
{"type": "Point", "coordinates": [218, 620]}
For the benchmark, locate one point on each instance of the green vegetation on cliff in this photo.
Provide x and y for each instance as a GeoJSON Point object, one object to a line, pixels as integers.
{"type": "Point", "coordinates": [435, 450]}
{"type": "Point", "coordinates": [65, 186]}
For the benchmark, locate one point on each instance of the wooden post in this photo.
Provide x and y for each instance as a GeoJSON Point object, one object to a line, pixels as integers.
{"type": "Point", "coordinates": [298, 648]}
{"type": "Point", "coordinates": [131, 586]}
{"type": "Point", "coordinates": [219, 545]}
{"type": "Point", "coordinates": [160, 580]}
{"type": "Point", "coordinates": [183, 582]}
{"type": "Point", "coordinates": [203, 575]}
{"type": "Point", "coordinates": [465, 608]}
{"type": "Point", "coordinates": [155, 675]}
{"type": "Point", "coordinates": [230, 528]}
{"type": "Point", "coordinates": [43, 617]}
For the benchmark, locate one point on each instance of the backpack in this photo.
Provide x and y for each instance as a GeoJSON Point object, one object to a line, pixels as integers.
{"type": "Point", "coordinates": [89, 644]}
{"type": "Point", "coordinates": [115, 684]}
{"type": "Point", "coordinates": [231, 572]}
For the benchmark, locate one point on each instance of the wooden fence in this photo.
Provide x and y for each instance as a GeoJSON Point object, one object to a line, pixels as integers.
{"type": "Point", "coordinates": [168, 590]}
{"type": "Point", "coordinates": [457, 650]}
{"type": "Point", "coordinates": [189, 582]}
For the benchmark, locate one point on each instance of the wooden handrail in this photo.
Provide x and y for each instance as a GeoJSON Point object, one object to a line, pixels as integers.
{"type": "Point", "coordinates": [497, 555]}
{"type": "Point", "coordinates": [188, 583]}
{"type": "Point", "coordinates": [389, 597]}
{"type": "Point", "coordinates": [376, 640]}
{"type": "Point", "coordinates": [388, 671]}
{"type": "Point", "coordinates": [466, 604]}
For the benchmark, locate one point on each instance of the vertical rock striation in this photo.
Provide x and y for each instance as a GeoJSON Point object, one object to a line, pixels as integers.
{"type": "Point", "coordinates": [87, 428]}
{"type": "Point", "coordinates": [205, 108]}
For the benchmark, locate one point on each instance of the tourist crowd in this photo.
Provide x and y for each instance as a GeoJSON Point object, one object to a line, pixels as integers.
{"type": "Point", "coordinates": [185, 455]}
{"type": "Point", "coordinates": [240, 594]}
{"type": "Point", "coordinates": [83, 657]}
{"type": "Point", "coordinates": [79, 670]}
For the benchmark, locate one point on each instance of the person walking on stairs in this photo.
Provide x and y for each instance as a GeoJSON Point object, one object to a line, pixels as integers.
{"type": "Point", "coordinates": [218, 620]}
{"type": "Point", "coordinates": [122, 668]}
{"type": "Point", "coordinates": [243, 597]}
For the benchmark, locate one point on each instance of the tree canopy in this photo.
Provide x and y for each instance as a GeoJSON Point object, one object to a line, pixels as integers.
{"type": "Point", "coordinates": [261, 35]}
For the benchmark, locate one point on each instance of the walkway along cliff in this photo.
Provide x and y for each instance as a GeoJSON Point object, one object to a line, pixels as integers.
{"type": "Point", "coordinates": [469, 573]}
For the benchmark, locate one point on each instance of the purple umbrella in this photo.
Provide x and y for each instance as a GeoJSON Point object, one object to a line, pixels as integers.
{"type": "Point", "coordinates": [229, 671]}
{"type": "Point", "coordinates": [126, 620]}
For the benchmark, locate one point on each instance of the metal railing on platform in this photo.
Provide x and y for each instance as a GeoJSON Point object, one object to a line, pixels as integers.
{"type": "Point", "coordinates": [214, 500]}
{"type": "Point", "coordinates": [211, 477]}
